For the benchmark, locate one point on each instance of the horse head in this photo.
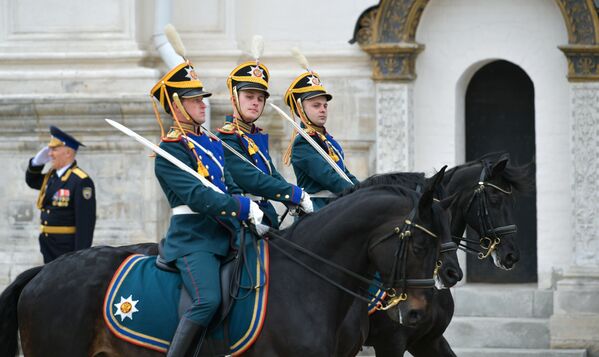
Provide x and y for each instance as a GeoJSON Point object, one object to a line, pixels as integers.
{"type": "Point", "coordinates": [447, 270]}
{"type": "Point", "coordinates": [488, 206]}
{"type": "Point", "coordinates": [407, 257]}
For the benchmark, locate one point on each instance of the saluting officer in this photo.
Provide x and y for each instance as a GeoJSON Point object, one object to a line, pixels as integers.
{"type": "Point", "coordinates": [308, 100]}
{"type": "Point", "coordinates": [203, 221]}
{"type": "Point", "coordinates": [256, 175]}
{"type": "Point", "coordinates": [67, 199]}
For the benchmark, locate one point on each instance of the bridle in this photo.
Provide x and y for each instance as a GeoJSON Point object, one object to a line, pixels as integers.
{"type": "Point", "coordinates": [490, 235]}
{"type": "Point", "coordinates": [403, 234]}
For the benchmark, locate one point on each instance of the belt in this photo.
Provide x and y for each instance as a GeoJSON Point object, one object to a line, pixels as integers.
{"type": "Point", "coordinates": [323, 194]}
{"type": "Point", "coordinates": [254, 198]}
{"type": "Point", "coordinates": [183, 209]}
{"type": "Point", "coordinates": [58, 229]}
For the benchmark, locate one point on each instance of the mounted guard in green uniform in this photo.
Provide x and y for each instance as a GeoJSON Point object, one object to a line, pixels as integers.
{"type": "Point", "coordinates": [204, 222]}
{"type": "Point", "coordinates": [308, 100]}
{"type": "Point", "coordinates": [256, 174]}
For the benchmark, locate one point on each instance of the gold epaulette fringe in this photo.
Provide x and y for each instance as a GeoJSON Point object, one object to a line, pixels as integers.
{"type": "Point", "coordinates": [77, 171]}
{"type": "Point", "coordinates": [228, 128]}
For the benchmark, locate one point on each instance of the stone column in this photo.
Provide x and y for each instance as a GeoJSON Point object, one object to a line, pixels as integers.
{"type": "Point", "coordinates": [393, 71]}
{"type": "Point", "coordinates": [575, 322]}
{"type": "Point", "coordinates": [394, 127]}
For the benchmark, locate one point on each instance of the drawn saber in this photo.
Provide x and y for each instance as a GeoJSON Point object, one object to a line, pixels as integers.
{"type": "Point", "coordinates": [228, 147]}
{"type": "Point", "coordinates": [313, 143]}
{"type": "Point", "coordinates": [260, 228]}
{"type": "Point", "coordinates": [170, 158]}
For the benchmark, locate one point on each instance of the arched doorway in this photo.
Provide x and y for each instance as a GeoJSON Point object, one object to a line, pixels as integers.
{"type": "Point", "coordinates": [500, 116]}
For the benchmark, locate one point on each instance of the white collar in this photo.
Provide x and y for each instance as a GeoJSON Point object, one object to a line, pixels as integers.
{"type": "Point", "coordinates": [62, 170]}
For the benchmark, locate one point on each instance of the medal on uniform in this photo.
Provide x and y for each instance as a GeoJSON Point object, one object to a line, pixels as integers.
{"type": "Point", "coordinates": [61, 198]}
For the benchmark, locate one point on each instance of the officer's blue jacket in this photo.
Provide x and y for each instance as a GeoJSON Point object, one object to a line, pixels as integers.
{"type": "Point", "coordinates": [216, 225]}
{"type": "Point", "coordinates": [265, 181]}
{"type": "Point", "coordinates": [67, 203]}
{"type": "Point", "coordinates": [314, 173]}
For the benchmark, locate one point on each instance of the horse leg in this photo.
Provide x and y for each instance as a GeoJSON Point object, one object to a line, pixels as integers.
{"type": "Point", "coordinates": [353, 330]}
{"type": "Point", "coordinates": [387, 337]}
{"type": "Point", "coordinates": [439, 347]}
{"type": "Point", "coordinates": [285, 335]}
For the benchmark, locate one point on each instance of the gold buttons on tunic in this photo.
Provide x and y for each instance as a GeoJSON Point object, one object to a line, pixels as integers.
{"type": "Point", "coordinates": [286, 196]}
{"type": "Point", "coordinates": [223, 213]}
{"type": "Point", "coordinates": [234, 214]}
{"type": "Point", "coordinates": [278, 195]}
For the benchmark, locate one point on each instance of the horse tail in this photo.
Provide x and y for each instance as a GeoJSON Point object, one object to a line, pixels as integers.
{"type": "Point", "coordinates": [8, 312]}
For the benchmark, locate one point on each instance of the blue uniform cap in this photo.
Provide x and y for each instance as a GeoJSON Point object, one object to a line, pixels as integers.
{"type": "Point", "coordinates": [60, 138]}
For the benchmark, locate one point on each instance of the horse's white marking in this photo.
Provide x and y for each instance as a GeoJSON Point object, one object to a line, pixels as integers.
{"type": "Point", "coordinates": [439, 284]}
{"type": "Point", "coordinates": [400, 316]}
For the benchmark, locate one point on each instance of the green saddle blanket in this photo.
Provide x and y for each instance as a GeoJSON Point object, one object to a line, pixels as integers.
{"type": "Point", "coordinates": [141, 302]}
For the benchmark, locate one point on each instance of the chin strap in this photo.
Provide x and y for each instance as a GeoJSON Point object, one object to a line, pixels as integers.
{"type": "Point", "coordinates": [237, 106]}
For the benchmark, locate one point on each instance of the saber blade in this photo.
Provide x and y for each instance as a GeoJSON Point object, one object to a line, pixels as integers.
{"type": "Point", "coordinates": [170, 158]}
{"type": "Point", "coordinates": [311, 141]}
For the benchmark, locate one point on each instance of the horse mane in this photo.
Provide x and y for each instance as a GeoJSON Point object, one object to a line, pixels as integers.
{"type": "Point", "coordinates": [367, 191]}
{"type": "Point", "coordinates": [393, 179]}
{"type": "Point", "coordinates": [519, 177]}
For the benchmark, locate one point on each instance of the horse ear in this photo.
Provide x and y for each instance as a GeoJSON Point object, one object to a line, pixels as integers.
{"type": "Point", "coordinates": [499, 166]}
{"type": "Point", "coordinates": [426, 200]}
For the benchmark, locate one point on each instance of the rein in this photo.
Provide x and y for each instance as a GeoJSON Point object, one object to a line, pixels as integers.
{"type": "Point", "coordinates": [491, 235]}
{"type": "Point", "coordinates": [403, 234]}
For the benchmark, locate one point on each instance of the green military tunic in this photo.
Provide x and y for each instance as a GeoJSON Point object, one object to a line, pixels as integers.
{"type": "Point", "coordinates": [314, 173]}
{"type": "Point", "coordinates": [262, 179]}
{"type": "Point", "coordinates": [217, 221]}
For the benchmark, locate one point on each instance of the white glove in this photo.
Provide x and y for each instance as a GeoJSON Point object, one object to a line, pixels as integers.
{"type": "Point", "coordinates": [262, 229]}
{"type": "Point", "coordinates": [42, 157]}
{"type": "Point", "coordinates": [256, 214]}
{"type": "Point", "coordinates": [306, 203]}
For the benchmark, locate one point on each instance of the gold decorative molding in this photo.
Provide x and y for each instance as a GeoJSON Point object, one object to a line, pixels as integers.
{"type": "Point", "coordinates": [398, 20]}
{"type": "Point", "coordinates": [363, 33]}
{"type": "Point", "coordinates": [582, 51]}
{"type": "Point", "coordinates": [387, 32]}
{"type": "Point", "coordinates": [583, 62]}
{"type": "Point", "coordinates": [394, 61]}
{"type": "Point", "coordinates": [581, 21]}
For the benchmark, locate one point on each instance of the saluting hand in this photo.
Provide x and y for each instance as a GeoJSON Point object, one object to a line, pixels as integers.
{"type": "Point", "coordinates": [42, 157]}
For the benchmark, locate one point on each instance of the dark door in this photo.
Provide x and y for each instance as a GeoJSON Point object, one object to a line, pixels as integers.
{"type": "Point", "coordinates": [500, 116]}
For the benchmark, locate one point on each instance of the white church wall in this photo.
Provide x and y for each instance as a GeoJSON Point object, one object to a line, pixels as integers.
{"type": "Point", "coordinates": [460, 37]}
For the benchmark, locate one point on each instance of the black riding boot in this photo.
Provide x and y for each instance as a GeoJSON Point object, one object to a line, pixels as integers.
{"type": "Point", "coordinates": [182, 342]}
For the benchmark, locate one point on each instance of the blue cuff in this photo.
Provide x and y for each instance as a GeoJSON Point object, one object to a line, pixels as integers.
{"type": "Point", "coordinates": [244, 207]}
{"type": "Point", "coordinates": [296, 195]}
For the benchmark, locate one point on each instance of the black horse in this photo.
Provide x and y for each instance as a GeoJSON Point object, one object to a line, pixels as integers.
{"type": "Point", "coordinates": [59, 306]}
{"type": "Point", "coordinates": [447, 273]}
{"type": "Point", "coordinates": [485, 203]}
